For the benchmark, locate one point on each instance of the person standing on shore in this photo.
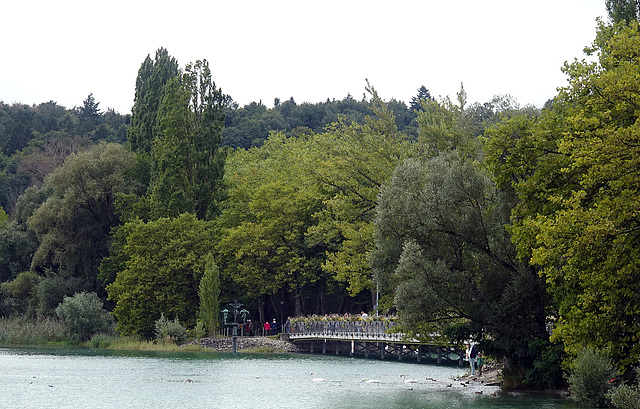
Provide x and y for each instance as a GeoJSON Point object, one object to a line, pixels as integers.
{"type": "Point", "coordinates": [472, 355]}
{"type": "Point", "coordinates": [480, 363]}
{"type": "Point", "coordinates": [267, 328]}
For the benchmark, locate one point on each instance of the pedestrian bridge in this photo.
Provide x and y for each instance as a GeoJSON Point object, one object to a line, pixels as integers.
{"type": "Point", "coordinates": [368, 338]}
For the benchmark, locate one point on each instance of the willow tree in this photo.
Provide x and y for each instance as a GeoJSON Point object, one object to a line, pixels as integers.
{"type": "Point", "coordinates": [74, 222]}
{"type": "Point", "coordinates": [442, 249]}
{"type": "Point", "coordinates": [188, 162]}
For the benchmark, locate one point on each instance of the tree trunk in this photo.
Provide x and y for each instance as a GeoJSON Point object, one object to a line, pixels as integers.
{"type": "Point", "coordinates": [298, 304]}
{"type": "Point", "coordinates": [261, 310]}
{"type": "Point", "coordinates": [373, 298]}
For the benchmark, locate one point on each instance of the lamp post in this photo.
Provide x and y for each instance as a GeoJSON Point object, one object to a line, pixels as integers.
{"type": "Point", "coordinates": [377, 295]}
{"type": "Point", "coordinates": [225, 313]}
{"type": "Point", "coordinates": [281, 316]}
{"type": "Point", "coordinates": [243, 314]}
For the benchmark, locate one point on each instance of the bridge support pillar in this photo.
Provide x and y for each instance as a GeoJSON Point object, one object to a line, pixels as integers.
{"type": "Point", "coordinates": [337, 347]}
{"type": "Point", "coordinates": [324, 347]}
{"type": "Point", "coordinates": [439, 355]}
{"type": "Point", "coordinates": [419, 358]}
{"type": "Point", "coordinates": [366, 350]}
{"type": "Point", "coordinates": [311, 347]}
{"type": "Point", "coordinates": [382, 349]}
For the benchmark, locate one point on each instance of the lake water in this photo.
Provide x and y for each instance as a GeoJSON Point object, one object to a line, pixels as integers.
{"type": "Point", "coordinates": [84, 378]}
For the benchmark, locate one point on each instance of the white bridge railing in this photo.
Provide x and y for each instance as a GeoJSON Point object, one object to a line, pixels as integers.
{"type": "Point", "coordinates": [374, 331]}
{"type": "Point", "coordinates": [348, 329]}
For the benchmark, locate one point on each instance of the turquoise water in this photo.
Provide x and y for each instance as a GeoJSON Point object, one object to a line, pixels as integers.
{"type": "Point", "coordinates": [67, 378]}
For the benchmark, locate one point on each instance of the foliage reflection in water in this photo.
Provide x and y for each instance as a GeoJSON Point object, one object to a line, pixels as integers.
{"type": "Point", "coordinates": [46, 378]}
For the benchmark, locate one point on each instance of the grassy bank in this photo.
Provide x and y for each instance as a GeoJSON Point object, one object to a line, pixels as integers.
{"type": "Point", "coordinates": [134, 344]}
{"type": "Point", "coordinates": [50, 331]}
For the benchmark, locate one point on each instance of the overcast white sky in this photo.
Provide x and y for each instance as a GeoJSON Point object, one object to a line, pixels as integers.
{"type": "Point", "coordinates": [63, 50]}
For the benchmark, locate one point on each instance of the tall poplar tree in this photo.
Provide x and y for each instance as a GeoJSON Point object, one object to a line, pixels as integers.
{"type": "Point", "coordinates": [209, 294]}
{"type": "Point", "coordinates": [187, 158]}
{"type": "Point", "coordinates": [151, 82]}
{"type": "Point", "coordinates": [151, 85]}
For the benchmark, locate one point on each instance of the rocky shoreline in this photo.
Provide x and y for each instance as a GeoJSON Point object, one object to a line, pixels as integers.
{"type": "Point", "coordinates": [225, 344]}
{"type": "Point", "coordinates": [491, 375]}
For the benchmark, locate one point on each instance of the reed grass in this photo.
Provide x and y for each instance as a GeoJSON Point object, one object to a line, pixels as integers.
{"type": "Point", "coordinates": [21, 330]}
{"type": "Point", "coordinates": [264, 350]}
{"type": "Point", "coordinates": [46, 330]}
{"type": "Point", "coordinates": [135, 344]}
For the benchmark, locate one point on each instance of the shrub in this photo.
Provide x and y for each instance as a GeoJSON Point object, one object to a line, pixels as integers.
{"type": "Point", "coordinates": [101, 341]}
{"type": "Point", "coordinates": [625, 397]}
{"type": "Point", "coordinates": [589, 378]}
{"type": "Point", "coordinates": [83, 316]}
{"type": "Point", "coordinates": [171, 331]}
{"type": "Point", "coordinates": [198, 331]}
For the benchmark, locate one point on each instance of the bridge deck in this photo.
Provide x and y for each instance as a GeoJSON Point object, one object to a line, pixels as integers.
{"type": "Point", "coordinates": [371, 339]}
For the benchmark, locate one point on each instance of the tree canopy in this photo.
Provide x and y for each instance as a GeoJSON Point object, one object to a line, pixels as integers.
{"type": "Point", "coordinates": [576, 174]}
{"type": "Point", "coordinates": [74, 222]}
{"type": "Point", "coordinates": [442, 249]}
{"type": "Point", "coordinates": [165, 263]}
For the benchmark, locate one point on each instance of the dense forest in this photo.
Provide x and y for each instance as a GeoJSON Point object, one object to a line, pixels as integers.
{"type": "Point", "coordinates": [515, 226]}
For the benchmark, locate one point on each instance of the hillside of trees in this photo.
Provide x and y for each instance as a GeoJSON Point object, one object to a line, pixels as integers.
{"type": "Point", "coordinates": [514, 226]}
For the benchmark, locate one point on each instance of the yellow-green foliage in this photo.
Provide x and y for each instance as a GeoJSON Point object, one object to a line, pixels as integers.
{"type": "Point", "coordinates": [576, 172]}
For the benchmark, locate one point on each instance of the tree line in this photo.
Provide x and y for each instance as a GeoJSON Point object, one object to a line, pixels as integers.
{"type": "Point", "coordinates": [513, 226]}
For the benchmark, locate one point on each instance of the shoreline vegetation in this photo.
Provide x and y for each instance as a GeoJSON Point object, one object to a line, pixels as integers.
{"type": "Point", "coordinates": [50, 331]}
{"type": "Point", "coordinates": [18, 332]}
